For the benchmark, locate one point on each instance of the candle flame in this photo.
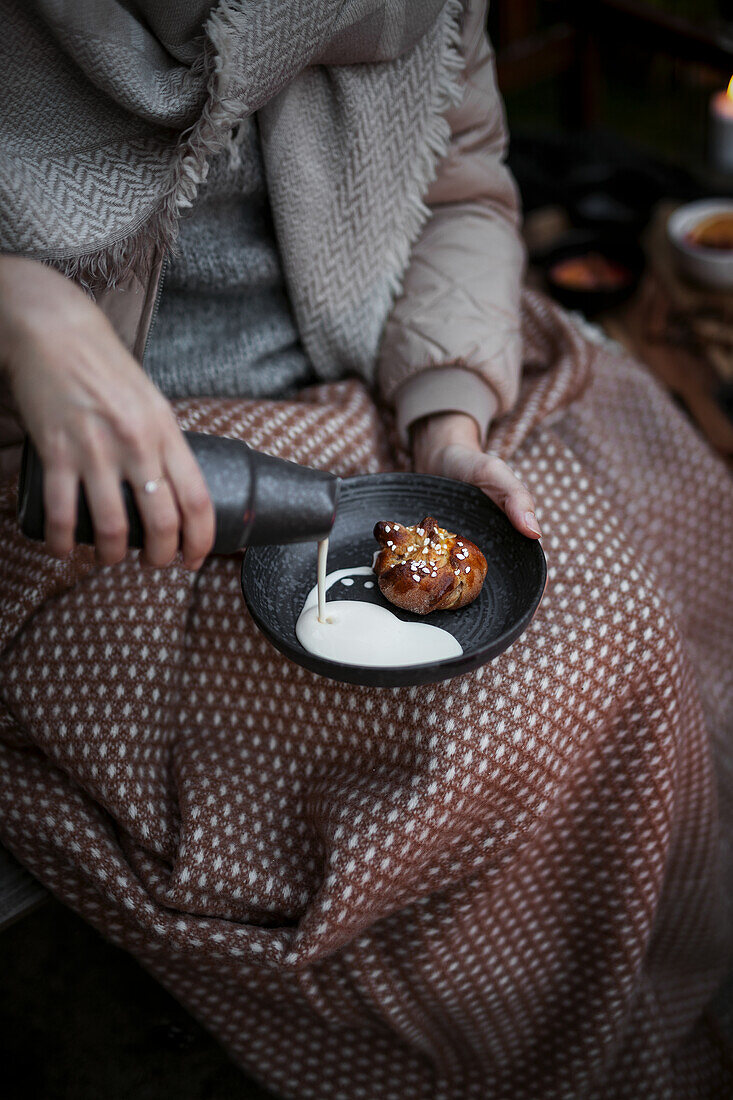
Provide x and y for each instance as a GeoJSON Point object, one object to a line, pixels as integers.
{"type": "Point", "coordinates": [729, 93]}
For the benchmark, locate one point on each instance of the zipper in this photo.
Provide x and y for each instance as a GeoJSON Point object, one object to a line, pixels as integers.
{"type": "Point", "coordinates": [156, 304]}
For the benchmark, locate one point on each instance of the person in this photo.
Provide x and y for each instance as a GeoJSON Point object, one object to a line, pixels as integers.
{"type": "Point", "coordinates": [97, 417]}
{"type": "Point", "coordinates": [293, 225]}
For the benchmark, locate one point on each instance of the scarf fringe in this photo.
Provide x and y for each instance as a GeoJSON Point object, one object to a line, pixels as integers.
{"type": "Point", "coordinates": [213, 132]}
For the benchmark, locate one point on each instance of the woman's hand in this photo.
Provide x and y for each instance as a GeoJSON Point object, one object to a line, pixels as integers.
{"type": "Point", "coordinates": [96, 418]}
{"type": "Point", "coordinates": [448, 444]}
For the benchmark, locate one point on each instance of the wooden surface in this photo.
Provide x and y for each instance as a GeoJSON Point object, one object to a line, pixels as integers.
{"type": "Point", "coordinates": [684, 333]}
{"type": "Point", "coordinates": [688, 375]}
{"type": "Point", "coordinates": [702, 315]}
{"type": "Point", "coordinates": [19, 891]}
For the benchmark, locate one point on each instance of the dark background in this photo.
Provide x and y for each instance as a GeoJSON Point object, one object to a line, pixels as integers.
{"type": "Point", "coordinates": [642, 70]}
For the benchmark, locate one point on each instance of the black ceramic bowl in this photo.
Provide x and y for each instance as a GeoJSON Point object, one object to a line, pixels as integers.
{"type": "Point", "coordinates": [619, 249]}
{"type": "Point", "coordinates": [277, 579]}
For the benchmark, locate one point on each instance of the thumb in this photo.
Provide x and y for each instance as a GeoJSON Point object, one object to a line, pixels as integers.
{"type": "Point", "coordinates": [494, 477]}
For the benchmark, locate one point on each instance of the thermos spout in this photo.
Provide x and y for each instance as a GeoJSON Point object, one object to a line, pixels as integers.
{"type": "Point", "coordinates": [291, 503]}
{"type": "Point", "coordinates": [258, 499]}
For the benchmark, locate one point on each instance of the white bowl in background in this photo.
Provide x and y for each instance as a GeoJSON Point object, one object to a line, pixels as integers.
{"type": "Point", "coordinates": [709, 266]}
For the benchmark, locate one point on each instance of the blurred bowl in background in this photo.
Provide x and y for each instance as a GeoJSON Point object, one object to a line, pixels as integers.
{"type": "Point", "coordinates": [592, 272]}
{"type": "Point", "coordinates": [689, 227]}
{"type": "Point", "coordinates": [605, 197]}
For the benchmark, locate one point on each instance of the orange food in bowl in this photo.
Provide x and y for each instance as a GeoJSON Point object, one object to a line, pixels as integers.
{"type": "Point", "coordinates": [592, 271]}
{"type": "Point", "coordinates": [715, 231]}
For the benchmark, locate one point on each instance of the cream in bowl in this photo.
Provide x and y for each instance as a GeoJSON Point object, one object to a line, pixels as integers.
{"type": "Point", "coordinates": [701, 236]}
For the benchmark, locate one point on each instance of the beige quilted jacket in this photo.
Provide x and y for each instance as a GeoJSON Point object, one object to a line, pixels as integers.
{"type": "Point", "coordinates": [460, 299]}
{"type": "Point", "coordinates": [452, 341]}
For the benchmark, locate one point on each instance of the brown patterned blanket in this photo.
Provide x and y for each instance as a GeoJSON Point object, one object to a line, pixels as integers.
{"type": "Point", "coordinates": [509, 885]}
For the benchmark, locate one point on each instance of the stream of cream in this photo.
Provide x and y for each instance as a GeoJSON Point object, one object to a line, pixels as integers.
{"type": "Point", "coordinates": [322, 558]}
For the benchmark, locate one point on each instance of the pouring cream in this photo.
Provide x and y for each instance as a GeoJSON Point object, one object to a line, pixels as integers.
{"type": "Point", "coordinates": [354, 632]}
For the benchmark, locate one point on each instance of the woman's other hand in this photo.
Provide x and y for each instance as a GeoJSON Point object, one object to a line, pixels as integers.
{"type": "Point", "coordinates": [96, 418]}
{"type": "Point", "coordinates": [448, 444]}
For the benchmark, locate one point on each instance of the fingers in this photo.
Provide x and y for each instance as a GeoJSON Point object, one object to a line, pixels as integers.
{"type": "Point", "coordinates": [503, 486]}
{"type": "Point", "coordinates": [192, 496]}
{"type": "Point", "coordinates": [178, 513]}
{"type": "Point", "coordinates": [104, 496]}
{"type": "Point", "coordinates": [161, 522]}
{"type": "Point", "coordinates": [60, 492]}
{"type": "Point", "coordinates": [491, 474]}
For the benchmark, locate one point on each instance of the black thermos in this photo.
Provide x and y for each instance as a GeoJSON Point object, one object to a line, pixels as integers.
{"type": "Point", "coordinates": [258, 499]}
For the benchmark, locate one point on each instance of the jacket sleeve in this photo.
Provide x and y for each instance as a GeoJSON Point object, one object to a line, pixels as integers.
{"type": "Point", "coordinates": [452, 341]}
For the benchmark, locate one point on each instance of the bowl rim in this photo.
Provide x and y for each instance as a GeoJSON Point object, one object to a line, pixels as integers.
{"type": "Point", "coordinates": [691, 214]}
{"type": "Point", "coordinates": [404, 675]}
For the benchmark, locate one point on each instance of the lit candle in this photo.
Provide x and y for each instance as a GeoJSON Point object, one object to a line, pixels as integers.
{"type": "Point", "coordinates": [721, 130]}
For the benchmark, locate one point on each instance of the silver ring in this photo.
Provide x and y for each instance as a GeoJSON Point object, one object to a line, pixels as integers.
{"type": "Point", "coordinates": [152, 485]}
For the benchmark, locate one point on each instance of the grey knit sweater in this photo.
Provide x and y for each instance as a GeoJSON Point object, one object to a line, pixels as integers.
{"type": "Point", "coordinates": [224, 325]}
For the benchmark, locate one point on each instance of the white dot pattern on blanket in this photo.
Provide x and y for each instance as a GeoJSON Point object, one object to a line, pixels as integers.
{"type": "Point", "coordinates": [504, 885]}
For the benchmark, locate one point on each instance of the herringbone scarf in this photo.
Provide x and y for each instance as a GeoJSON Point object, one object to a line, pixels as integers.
{"type": "Point", "coordinates": [109, 116]}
